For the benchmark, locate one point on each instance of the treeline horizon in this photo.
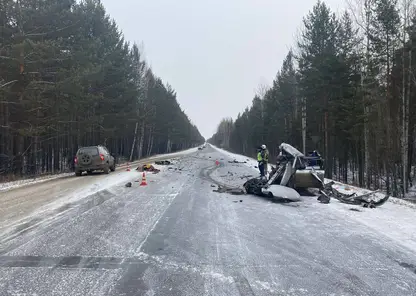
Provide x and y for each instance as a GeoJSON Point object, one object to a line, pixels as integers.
{"type": "Point", "coordinates": [68, 79]}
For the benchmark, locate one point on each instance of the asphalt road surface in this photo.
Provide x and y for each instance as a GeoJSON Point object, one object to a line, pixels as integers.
{"type": "Point", "coordinates": [178, 237]}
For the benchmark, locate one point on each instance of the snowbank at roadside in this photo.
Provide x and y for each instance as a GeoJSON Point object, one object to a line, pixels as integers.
{"type": "Point", "coordinates": [241, 158]}
{"type": "Point", "coordinates": [23, 182]}
{"type": "Point", "coordinates": [30, 181]}
{"type": "Point", "coordinates": [394, 219]}
{"type": "Point", "coordinates": [176, 154]}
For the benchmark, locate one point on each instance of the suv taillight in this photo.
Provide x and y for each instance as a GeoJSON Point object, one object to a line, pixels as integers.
{"type": "Point", "coordinates": [75, 160]}
{"type": "Point", "coordinates": [102, 156]}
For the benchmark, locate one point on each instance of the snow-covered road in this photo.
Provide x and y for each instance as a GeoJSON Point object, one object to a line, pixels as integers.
{"type": "Point", "coordinates": [178, 237]}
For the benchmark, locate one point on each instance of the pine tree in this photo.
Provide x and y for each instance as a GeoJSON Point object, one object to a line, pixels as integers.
{"type": "Point", "coordinates": [69, 79]}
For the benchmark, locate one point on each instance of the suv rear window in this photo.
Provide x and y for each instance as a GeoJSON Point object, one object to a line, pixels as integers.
{"type": "Point", "coordinates": [89, 150]}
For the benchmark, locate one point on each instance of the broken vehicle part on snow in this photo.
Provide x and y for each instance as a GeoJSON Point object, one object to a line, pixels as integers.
{"type": "Point", "coordinates": [282, 192]}
{"type": "Point", "coordinates": [163, 162]}
{"type": "Point", "coordinates": [279, 193]}
{"type": "Point", "coordinates": [366, 200]}
{"type": "Point", "coordinates": [234, 191]}
{"type": "Point", "coordinates": [236, 161]}
{"type": "Point", "coordinates": [324, 198]}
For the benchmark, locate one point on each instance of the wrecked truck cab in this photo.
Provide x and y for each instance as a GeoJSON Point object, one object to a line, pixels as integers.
{"type": "Point", "coordinates": [309, 178]}
{"type": "Point", "coordinates": [292, 171]}
{"type": "Point", "coordinates": [295, 169]}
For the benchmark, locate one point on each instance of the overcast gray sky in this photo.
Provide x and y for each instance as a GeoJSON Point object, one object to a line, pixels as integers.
{"type": "Point", "coordinates": [214, 53]}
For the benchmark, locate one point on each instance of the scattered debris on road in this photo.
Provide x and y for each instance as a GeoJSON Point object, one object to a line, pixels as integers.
{"type": "Point", "coordinates": [323, 198]}
{"type": "Point", "coordinates": [234, 191]}
{"type": "Point", "coordinates": [236, 161]}
{"type": "Point", "coordinates": [163, 162]}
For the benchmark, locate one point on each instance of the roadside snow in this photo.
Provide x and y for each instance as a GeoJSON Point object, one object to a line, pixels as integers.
{"type": "Point", "coordinates": [108, 182]}
{"type": "Point", "coordinates": [175, 154]}
{"type": "Point", "coordinates": [20, 183]}
{"type": "Point", "coordinates": [111, 180]}
{"type": "Point", "coordinates": [250, 162]}
{"type": "Point", "coordinates": [395, 219]}
{"type": "Point", "coordinates": [24, 182]}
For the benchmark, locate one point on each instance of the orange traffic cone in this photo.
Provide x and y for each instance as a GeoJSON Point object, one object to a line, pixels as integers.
{"type": "Point", "coordinates": [128, 167]}
{"type": "Point", "coordinates": [143, 183]}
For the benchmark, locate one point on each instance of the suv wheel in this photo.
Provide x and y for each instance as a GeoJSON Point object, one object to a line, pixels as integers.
{"type": "Point", "coordinates": [106, 170]}
{"type": "Point", "coordinates": [78, 173]}
{"type": "Point", "coordinates": [113, 168]}
{"type": "Point", "coordinates": [89, 172]}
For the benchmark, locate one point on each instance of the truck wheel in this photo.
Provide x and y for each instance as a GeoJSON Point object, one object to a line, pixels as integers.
{"type": "Point", "coordinates": [106, 170]}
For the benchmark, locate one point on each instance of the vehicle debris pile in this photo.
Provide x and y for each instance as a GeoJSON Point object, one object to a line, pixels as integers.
{"type": "Point", "coordinates": [296, 171]}
{"type": "Point", "coordinates": [367, 200]}
{"type": "Point", "coordinates": [291, 172]}
{"type": "Point", "coordinates": [148, 168]}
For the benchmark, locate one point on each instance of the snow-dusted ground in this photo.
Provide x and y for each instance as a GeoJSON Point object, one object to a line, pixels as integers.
{"type": "Point", "coordinates": [179, 237]}
{"type": "Point", "coordinates": [66, 195]}
{"type": "Point", "coordinates": [15, 184]}
{"type": "Point", "coordinates": [30, 181]}
{"type": "Point", "coordinates": [179, 153]}
{"type": "Point", "coordinates": [250, 162]}
{"type": "Point", "coordinates": [395, 219]}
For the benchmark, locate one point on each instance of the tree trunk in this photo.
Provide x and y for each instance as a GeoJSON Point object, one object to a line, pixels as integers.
{"type": "Point", "coordinates": [141, 142]}
{"type": "Point", "coordinates": [134, 142]}
{"type": "Point", "coordinates": [304, 125]}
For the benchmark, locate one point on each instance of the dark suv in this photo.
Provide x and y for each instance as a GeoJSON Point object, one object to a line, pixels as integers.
{"type": "Point", "coordinates": [94, 158]}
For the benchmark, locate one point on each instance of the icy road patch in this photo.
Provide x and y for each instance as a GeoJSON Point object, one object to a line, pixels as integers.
{"type": "Point", "coordinates": [18, 211]}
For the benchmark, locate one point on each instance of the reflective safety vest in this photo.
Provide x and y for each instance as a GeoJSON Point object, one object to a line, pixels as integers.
{"type": "Point", "coordinates": [259, 157]}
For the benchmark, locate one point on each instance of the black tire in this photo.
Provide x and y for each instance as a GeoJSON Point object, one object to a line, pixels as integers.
{"type": "Point", "coordinates": [78, 173]}
{"type": "Point", "coordinates": [89, 172]}
{"type": "Point", "coordinates": [254, 186]}
{"type": "Point", "coordinates": [113, 168]}
{"type": "Point", "coordinates": [106, 170]}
